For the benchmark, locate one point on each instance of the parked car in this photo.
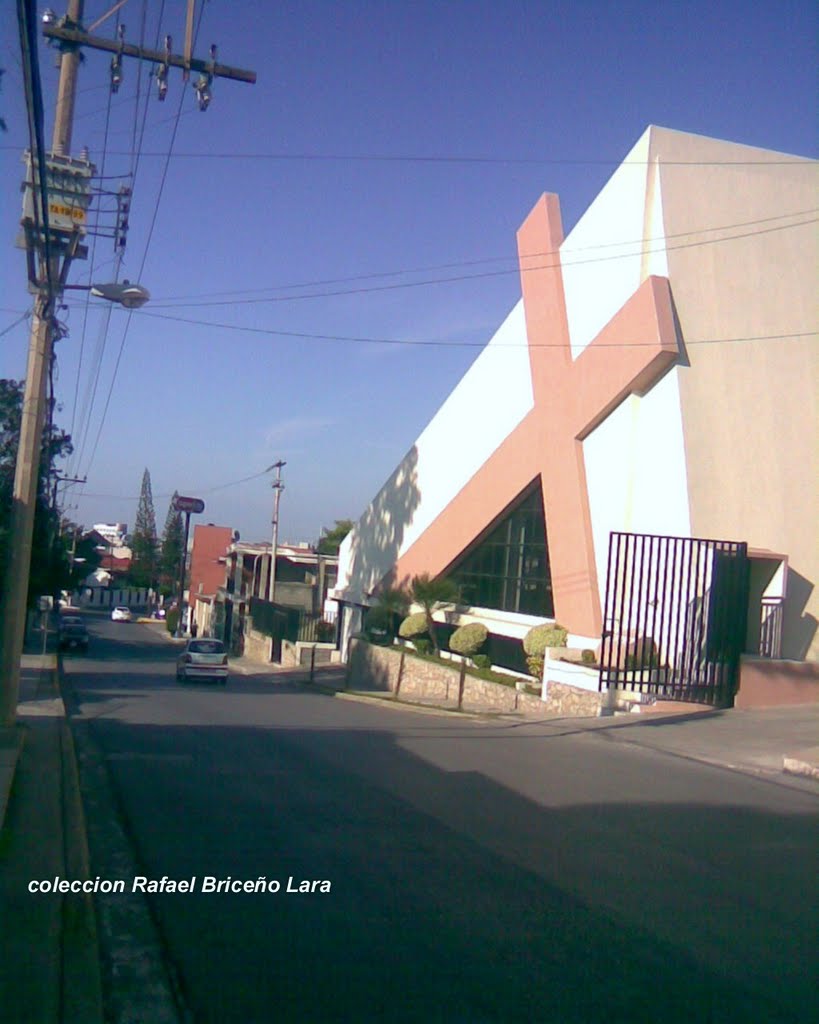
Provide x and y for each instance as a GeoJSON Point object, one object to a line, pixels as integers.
{"type": "Point", "coordinates": [121, 614]}
{"type": "Point", "coordinates": [203, 658]}
{"type": "Point", "coordinates": [71, 633]}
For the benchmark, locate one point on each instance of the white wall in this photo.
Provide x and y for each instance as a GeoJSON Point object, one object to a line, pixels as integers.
{"type": "Point", "coordinates": [614, 246]}
{"type": "Point", "coordinates": [635, 469]}
{"type": "Point", "coordinates": [492, 398]}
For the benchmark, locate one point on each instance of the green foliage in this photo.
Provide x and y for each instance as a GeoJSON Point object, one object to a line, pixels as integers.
{"type": "Point", "coordinates": [539, 638]}
{"type": "Point", "coordinates": [536, 664]}
{"type": "Point", "coordinates": [423, 644]}
{"type": "Point", "coordinates": [468, 640]}
{"type": "Point", "coordinates": [330, 540]}
{"type": "Point", "coordinates": [172, 620]}
{"type": "Point", "coordinates": [143, 540]}
{"type": "Point", "coordinates": [49, 571]}
{"type": "Point", "coordinates": [170, 554]}
{"type": "Point", "coordinates": [481, 660]}
{"type": "Point", "coordinates": [428, 591]}
{"type": "Point", "coordinates": [588, 657]}
{"type": "Point", "coordinates": [413, 626]}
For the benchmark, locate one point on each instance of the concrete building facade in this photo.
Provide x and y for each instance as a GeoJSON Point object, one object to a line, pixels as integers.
{"type": "Point", "coordinates": [658, 376]}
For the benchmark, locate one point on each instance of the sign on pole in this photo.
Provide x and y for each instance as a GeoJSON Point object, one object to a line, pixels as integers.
{"type": "Point", "coordinates": [182, 504]}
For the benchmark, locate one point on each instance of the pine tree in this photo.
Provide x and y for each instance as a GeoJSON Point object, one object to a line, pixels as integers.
{"type": "Point", "coordinates": [171, 551]}
{"type": "Point", "coordinates": [143, 539]}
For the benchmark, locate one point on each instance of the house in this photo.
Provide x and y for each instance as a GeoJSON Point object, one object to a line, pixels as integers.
{"type": "Point", "coordinates": [206, 573]}
{"type": "Point", "coordinates": [303, 580]}
{"type": "Point", "coordinates": [647, 476]}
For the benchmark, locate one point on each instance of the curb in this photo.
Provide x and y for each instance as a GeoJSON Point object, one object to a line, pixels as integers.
{"type": "Point", "coordinates": [805, 764]}
{"type": "Point", "coordinates": [81, 994]}
{"type": "Point", "coordinates": [12, 741]}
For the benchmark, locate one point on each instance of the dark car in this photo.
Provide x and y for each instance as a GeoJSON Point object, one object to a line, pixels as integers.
{"type": "Point", "coordinates": [72, 633]}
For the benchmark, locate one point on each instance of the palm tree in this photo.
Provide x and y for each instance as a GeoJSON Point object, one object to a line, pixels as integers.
{"type": "Point", "coordinates": [393, 604]}
{"type": "Point", "coordinates": [429, 591]}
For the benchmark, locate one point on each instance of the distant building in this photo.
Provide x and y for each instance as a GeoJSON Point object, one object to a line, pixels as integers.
{"type": "Point", "coordinates": [207, 569]}
{"type": "Point", "coordinates": [112, 533]}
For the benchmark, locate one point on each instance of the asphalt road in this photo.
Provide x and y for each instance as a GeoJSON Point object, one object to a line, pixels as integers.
{"type": "Point", "coordinates": [478, 871]}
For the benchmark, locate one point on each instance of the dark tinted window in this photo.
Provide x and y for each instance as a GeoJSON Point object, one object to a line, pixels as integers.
{"type": "Point", "coordinates": [508, 568]}
{"type": "Point", "coordinates": [206, 647]}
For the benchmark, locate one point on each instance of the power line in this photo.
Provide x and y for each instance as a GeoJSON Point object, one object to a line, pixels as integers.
{"type": "Point", "coordinates": [177, 300]}
{"type": "Point", "coordinates": [563, 265]}
{"type": "Point", "coordinates": [168, 156]}
{"type": "Point", "coordinates": [795, 161]}
{"type": "Point", "coordinates": [436, 343]}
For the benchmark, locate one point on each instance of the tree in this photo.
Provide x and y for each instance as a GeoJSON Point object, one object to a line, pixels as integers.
{"type": "Point", "coordinates": [49, 564]}
{"type": "Point", "coordinates": [330, 540]}
{"type": "Point", "coordinates": [391, 607]}
{"type": "Point", "coordinates": [170, 554]}
{"type": "Point", "coordinates": [428, 592]}
{"type": "Point", "coordinates": [143, 539]}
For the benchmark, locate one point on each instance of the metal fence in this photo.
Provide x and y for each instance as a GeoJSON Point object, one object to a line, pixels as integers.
{"type": "Point", "coordinates": [282, 622]}
{"type": "Point", "coordinates": [675, 617]}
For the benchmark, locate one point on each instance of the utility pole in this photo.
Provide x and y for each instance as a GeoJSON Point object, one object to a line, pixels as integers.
{"type": "Point", "coordinates": [48, 283]}
{"type": "Point", "coordinates": [278, 487]}
{"type": "Point", "coordinates": [27, 469]}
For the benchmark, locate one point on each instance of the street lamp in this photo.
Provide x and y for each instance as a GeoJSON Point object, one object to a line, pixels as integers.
{"type": "Point", "coordinates": [125, 293]}
{"type": "Point", "coordinates": [24, 496]}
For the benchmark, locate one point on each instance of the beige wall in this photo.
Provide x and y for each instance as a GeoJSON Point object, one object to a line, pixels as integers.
{"type": "Point", "coordinates": [749, 407]}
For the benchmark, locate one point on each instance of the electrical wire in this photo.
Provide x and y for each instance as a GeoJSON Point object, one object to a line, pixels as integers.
{"type": "Point", "coordinates": [470, 263]}
{"type": "Point", "coordinates": [151, 229]}
{"type": "Point", "coordinates": [26, 19]}
{"type": "Point", "coordinates": [436, 343]}
{"type": "Point", "coordinates": [563, 264]}
{"type": "Point", "coordinates": [199, 490]}
{"type": "Point", "coordinates": [19, 320]}
{"type": "Point", "coordinates": [794, 161]}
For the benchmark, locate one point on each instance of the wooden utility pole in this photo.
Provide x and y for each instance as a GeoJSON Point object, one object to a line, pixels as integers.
{"type": "Point", "coordinates": [50, 281]}
{"type": "Point", "coordinates": [27, 469]}
{"type": "Point", "coordinates": [278, 487]}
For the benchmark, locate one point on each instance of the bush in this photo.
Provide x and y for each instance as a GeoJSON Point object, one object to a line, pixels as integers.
{"type": "Point", "coordinates": [468, 640]}
{"type": "Point", "coordinates": [536, 664]}
{"type": "Point", "coordinates": [546, 635]}
{"type": "Point", "coordinates": [172, 620]}
{"type": "Point", "coordinates": [422, 644]}
{"type": "Point", "coordinates": [481, 660]}
{"type": "Point", "coordinates": [413, 626]}
{"type": "Point", "coordinates": [588, 657]}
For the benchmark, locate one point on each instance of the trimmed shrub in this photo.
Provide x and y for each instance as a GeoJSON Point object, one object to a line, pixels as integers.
{"type": "Point", "coordinates": [536, 642]}
{"type": "Point", "coordinates": [172, 620]}
{"type": "Point", "coordinates": [546, 635]}
{"type": "Point", "coordinates": [468, 640]}
{"type": "Point", "coordinates": [481, 660]}
{"type": "Point", "coordinates": [422, 644]}
{"type": "Point", "coordinates": [588, 657]}
{"type": "Point", "coordinates": [413, 626]}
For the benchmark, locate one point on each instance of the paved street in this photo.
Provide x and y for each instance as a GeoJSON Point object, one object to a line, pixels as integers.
{"type": "Point", "coordinates": [479, 871]}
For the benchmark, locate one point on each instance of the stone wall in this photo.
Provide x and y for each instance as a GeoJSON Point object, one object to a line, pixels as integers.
{"type": "Point", "coordinates": [257, 646]}
{"type": "Point", "coordinates": [390, 669]}
{"type": "Point", "coordinates": [570, 701]}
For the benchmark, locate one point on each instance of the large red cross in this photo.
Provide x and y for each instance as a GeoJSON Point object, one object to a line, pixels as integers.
{"type": "Point", "coordinates": [571, 398]}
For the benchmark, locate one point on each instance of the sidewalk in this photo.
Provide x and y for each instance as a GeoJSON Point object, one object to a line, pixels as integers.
{"type": "Point", "coordinates": [49, 970]}
{"type": "Point", "coordinates": [770, 742]}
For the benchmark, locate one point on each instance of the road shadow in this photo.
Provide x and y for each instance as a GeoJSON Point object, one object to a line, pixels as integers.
{"type": "Point", "coordinates": [454, 898]}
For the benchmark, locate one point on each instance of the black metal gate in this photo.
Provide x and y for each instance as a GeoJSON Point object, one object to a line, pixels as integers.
{"type": "Point", "coordinates": [675, 617]}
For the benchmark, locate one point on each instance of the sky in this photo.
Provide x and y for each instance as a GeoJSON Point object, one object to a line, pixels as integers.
{"type": "Point", "coordinates": [327, 250]}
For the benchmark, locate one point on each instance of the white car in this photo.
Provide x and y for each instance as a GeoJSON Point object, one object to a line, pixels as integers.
{"type": "Point", "coordinates": [203, 658]}
{"type": "Point", "coordinates": [121, 614]}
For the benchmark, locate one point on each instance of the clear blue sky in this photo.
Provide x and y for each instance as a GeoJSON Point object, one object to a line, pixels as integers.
{"type": "Point", "coordinates": [389, 138]}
